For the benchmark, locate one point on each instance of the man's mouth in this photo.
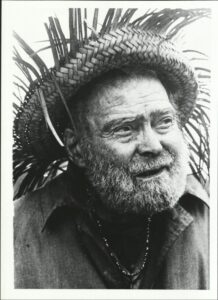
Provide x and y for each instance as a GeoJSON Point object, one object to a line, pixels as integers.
{"type": "Point", "coordinates": [151, 173]}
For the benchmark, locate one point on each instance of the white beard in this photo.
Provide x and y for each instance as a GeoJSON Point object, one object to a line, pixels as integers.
{"type": "Point", "coordinates": [120, 192]}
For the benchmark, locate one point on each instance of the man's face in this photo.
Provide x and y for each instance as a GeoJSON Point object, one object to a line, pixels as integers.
{"type": "Point", "coordinates": [135, 154]}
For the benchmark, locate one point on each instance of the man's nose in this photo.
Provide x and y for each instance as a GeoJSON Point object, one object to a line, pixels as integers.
{"type": "Point", "coordinates": [149, 142]}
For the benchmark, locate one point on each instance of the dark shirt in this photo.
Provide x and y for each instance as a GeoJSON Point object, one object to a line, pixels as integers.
{"type": "Point", "coordinates": [57, 243]}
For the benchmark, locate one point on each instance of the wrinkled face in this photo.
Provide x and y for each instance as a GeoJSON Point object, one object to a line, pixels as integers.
{"type": "Point", "coordinates": [136, 158]}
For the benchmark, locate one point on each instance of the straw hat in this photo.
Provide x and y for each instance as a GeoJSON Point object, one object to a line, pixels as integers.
{"type": "Point", "coordinates": [43, 115]}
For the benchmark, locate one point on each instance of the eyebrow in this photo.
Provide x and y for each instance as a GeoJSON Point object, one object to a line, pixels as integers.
{"type": "Point", "coordinates": [121, 121]}
{"type": "Point", "coordinates": [138, 118]}
{"type": "Point", "coordinates": [162, 112]}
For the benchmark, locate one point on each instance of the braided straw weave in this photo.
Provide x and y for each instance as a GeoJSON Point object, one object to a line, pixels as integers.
{"type": "Point", "coordinates": [119, 43]}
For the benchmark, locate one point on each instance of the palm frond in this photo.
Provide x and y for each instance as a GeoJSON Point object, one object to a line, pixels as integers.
{"type": "Point", "coordinates": [39, 62]}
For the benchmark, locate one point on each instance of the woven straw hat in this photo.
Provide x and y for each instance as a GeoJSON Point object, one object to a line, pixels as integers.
{"type": "Point", "coordinates": [43, 115]}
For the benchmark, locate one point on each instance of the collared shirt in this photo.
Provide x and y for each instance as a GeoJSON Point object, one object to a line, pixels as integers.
{"type": "Point", "coordinates": [57, 243]}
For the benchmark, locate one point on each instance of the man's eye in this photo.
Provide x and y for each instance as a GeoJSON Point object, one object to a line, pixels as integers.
{"type": "Point", "coordinates": [165, 123]}
{"type": "Point", "coordinates": [123, 130]}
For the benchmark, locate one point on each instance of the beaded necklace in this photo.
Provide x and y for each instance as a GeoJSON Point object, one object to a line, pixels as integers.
{"type": "Point", "coordinates": [121, 268]}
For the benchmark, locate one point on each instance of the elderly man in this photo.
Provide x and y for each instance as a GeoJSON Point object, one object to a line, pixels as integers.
{"type": "Point", "coordinates": [125, 214]}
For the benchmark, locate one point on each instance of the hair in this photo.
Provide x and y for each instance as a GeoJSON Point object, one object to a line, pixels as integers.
{"type": "Point", "coordinates": [114, 78]}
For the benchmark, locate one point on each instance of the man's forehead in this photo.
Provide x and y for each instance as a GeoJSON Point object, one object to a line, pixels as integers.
{"type": "Point", "coordinates": [131, 95]}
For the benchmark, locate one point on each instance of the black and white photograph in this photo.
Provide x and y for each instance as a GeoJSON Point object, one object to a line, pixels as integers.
{"type": "Point", "coordinates": [109, 147]}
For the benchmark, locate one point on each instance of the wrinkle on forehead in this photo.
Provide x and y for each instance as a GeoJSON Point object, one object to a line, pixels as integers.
{"type": "Point", "coordinates": [129, 97]}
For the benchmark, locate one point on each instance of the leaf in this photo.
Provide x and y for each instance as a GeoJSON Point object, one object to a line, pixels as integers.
{"type": "Point", "coordinates": [39, 62]}
{"type": "Point", "coordinates": [46, 115]}
{"type": "Point", "coordinates": [63, 40]}
{"type": "Point", "coordinates": [125, 20]}
{"type": "Point", "coordinates": [21, 87]}
{"type": "Point", "coordinates": [80, 30]}
{"type": "Point", "coordinates": [195, 51]}
{"type": "Point", "coordinates": [27, 65]}
{"type": "Point", "coordinates": [85, 26]}
{"type": "Point", "coordinates": [107, 21]}
{"type": "Point", "coordinates": [64, 103]}
{"type": "Point", "coordinates": [94, 23]}
{"type": "Point", "coordinates": [18, 78]}
{"type": "Point", "coordinates": [114, 23]}
{"type": "Point", "coordinates": [19, 99]}
{"type": "Point", "coordinates": [53, 48]}
{"type": "Point", "coordinates": [24, 69]}
{"type": "Point", "coordinates": [55, 36]}
{"type": "Point", "coordinates": [73, 32]}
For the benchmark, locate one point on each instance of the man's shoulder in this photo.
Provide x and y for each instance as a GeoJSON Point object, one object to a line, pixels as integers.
{"type": "Point", "coordinates": [34, 206]}
{"type": "Point", "coordinates": [34, 197]}
{"type": "Point", "coordinates": [196, 201]}
{"type": "Point", "coordinates": [196, 207]}
{"type": "Point", "coordinates": [195, 188]}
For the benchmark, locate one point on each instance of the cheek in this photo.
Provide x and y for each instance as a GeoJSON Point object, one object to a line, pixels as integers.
{"type": "Point", "coordinates": [174, 141]}
{"type": "Point", "coordinates": [122, 151]}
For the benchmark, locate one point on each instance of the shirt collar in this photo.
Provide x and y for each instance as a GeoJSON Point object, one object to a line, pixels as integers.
{"type": "Point", "coordinates": [58, 193]}
{"type": "Point", "coordinates": [194, 187]}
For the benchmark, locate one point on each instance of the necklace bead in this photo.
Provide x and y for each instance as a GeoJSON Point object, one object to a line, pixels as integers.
{"type": "Point", "coordinates": [121, 268]}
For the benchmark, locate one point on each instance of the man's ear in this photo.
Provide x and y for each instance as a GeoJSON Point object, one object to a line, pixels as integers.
{"type": "Point", "coordinates": [73, 149]}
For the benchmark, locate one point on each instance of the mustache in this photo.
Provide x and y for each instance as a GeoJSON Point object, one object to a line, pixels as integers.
{"type": "Point", "coordinates": [143, 165]}
{"type": "Point", "coordinates": [138, 164]}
